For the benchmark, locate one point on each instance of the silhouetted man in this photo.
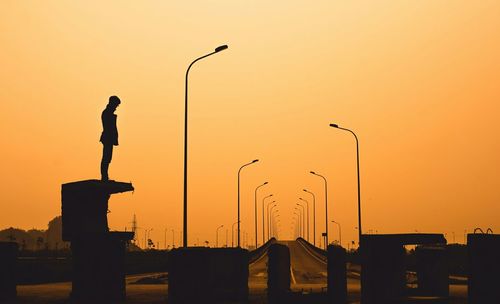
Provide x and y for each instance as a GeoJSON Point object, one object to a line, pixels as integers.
{"type": "Point", "coordinates": [109, 136]}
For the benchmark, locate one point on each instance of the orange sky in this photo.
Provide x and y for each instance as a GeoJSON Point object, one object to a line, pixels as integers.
{"type": "Point", "coordinates": [417, 80]}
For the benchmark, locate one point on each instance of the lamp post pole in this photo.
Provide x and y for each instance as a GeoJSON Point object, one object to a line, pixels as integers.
{"type": "Point", "coordinates": [314, 215]}
{"type": "Point", "coordinates": [326, 206]}
{"type": "Point", "coordinates": [340, 232]}
{"type": "Point", "coordinates": [269, 213]}
{"type": "Point", "coordinates": [232, 234]}
{"type": "Point", "coordinates": [307, 206]}
{"type": "Point", "coordinates": [217, 236]}
{"type": "Point", "coordinates": [359, 184]}
{"type": "Point", "coordinates": [218, 49]}
{"type": "Point", "coordinates": [255, 214]}
{"type": "Point", "coordinates": [298, 222]}
{"type": "Point", "coordinates": [303, 210]}
{"type": "Point", "coordinates": [239, 171]}
{"type": "Point", "coordinates": [263, 222]}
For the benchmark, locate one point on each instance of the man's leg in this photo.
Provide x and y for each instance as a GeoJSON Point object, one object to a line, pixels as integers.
{"type": "Point", "coordinates": [107, 154]}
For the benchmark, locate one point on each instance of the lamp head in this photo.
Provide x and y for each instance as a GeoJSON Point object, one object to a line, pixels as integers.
{"type": "Point", "coordinates": [265, 183]}
{"type": "Point", "coordinates": [334, 125]}
{"type": "Point", "coordinates": [221, 48]}
{"type": "Point", "coordinates": [312, 172]}
{"type": "Point", "coordinates": [254, 161]}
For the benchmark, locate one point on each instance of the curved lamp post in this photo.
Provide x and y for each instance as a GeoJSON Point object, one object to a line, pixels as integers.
{"type": "Point", "coordinates": [232, 233]}
{"type": "Point", "coordinates": [299, 221]}
{"type": "Point", "coordinates": [359, 186]}
{"type": "Point", "coordinates": [326, 206]}
{"type": "Point", "coordinates": [267, 218]}
{"type": "Point", "coordinates": [217, 236]}
{"type": "Point", "coordinates": [269, 213]}
{"type": "Point", "coordinates": [340, 232]}
{"type": "Point", "coordinates": [314, 215]}
{"type": "Point", "coordinates": [218, 49]}
{"type": "Point", "coordinates": [263, 222]}
{"type": "Point", "coordinates": [255, 214]}
{"type": "Point", "coordinates": [239, 171]}
{"type": "Point", "coordinates": [307, 206]}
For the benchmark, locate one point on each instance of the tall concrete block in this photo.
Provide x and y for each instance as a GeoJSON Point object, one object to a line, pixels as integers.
{"type": "Point", "coordinates": [278, 273]}
{"type": "Point", "coordinates": [8, 278]}
{"type": "Point", "coordinates": [484, 268]}
{"type": "Point", "coordinates": [432, 271]}
{"type": "Point", "coordinates": [98, 254]}
{"type": "Point", "coordinates": [383, 275]}
{"type": "Point", "coordinates": [337, 275]}
{"type": "Point", "coordinates": [207, 275]}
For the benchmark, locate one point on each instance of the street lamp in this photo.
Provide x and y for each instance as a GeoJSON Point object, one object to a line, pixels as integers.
{"type": "Point", "coordinates": [303, 219]}
{"type": "Point", "coordinates": [307, 204]}
{"type": "Point", "coordinates": [247, 164]}
{"type": "Point", "coordinates": [299, 221]}
{"type": "Point", "coordinates": [340, 232]}
{"type": "Point", "coordinates": [272, 221]}
{"type": "Point", "coordinates": [232, 233]}
{"type": "Point", "coordinates": [314, 215]}
{"type": "Point", "coordinates": [217, 236]}
{"type": "Point", "coordinates": [326, 204]}
{"type": "Point", "coordinates": [359, 186]}
{"type": "Point", "coordinates": [263, 222]}
{"type": "Point", "coordinates": [218, 49]}
{"type": "Point", "coordinates": [255, 215]}
{"type": "Point", "coordinates": [269, 213]}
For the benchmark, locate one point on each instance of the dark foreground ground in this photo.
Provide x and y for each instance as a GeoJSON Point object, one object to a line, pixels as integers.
{"type": "Point", "coordinates": [151, 288]}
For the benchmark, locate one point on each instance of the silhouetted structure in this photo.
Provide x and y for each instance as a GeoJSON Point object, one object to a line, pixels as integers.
{"type": "Point", "coordinates": [278, 273]}
{"type": "Point", "coordinates": [383, 267]}
{"type": "Point", "coordinates": [8, 278]}
{"type": "Point", "coordinates": [98, 254]}
{"type": "Point", "coordinates": [109, 135]}
{"type": "Point", "coordinates": [337, 274]}
{"type": "Point", "coordinates": [208, 275]}
{"type": "Point", "coordinates": [484, 268]}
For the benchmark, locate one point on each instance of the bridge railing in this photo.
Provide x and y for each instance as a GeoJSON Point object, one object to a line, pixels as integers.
{"type": "Point", "coordinates": [317, 252]}
{"type": "Point", "coordinates": [256, 254]}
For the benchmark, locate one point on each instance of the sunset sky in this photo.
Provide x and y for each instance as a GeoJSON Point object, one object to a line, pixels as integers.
{"type": "Point", "coordinates": [418, 81]}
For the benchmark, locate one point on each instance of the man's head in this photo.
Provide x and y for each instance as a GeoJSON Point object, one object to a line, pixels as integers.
{"type": "Point", "coordinates": [114, 101]}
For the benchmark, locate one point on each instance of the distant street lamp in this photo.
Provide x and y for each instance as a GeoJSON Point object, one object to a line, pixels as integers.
{"type": "Point", "coordinates": [340, 232]}
{"type": "Point", "coordinates": [299, 221]}
{"type": "Point", "coordinates": [218, 49]}
{"type": "Point", "coordinates": [267, 218]}
{"type": "Point", "coordinates": [239, 171]}
{"type": "Point", "coordinates": [314, 215]}
{"type": "Point", "coordinates": [359, 186]}
{"type": "Point", "coordinates": [255, 214]}
{"type": "Point", "coordinates": [232, 233]}
{"type": "Point", "coordinates": [303, 210]}
{"type": "Point", "coordinates": [307, 204]}
{"type": "Point", "coordinates": [269, 213]}
{"type": "Point", "coordinates": [217, 236]}
{"type": "Point", "coordinates": [263, 222]}
{"type": "Point", "coordinates": [326, 205]}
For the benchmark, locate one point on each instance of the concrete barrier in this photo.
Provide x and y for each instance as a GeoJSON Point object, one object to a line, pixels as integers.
{"type": "Point", "coordinates": [8, 279]}
{"type": "Point", "coordinates": [337, 275]}
{"type": "Point", "coordinates": [484, 268]}
{"type": "Point", "coordinates": [207, 275]}
{"type": "Point", "coordinates": [278, 273]}
{"type": "Point", "coordinates": [432, 271]}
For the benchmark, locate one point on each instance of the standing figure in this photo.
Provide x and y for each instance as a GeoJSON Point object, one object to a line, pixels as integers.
{"type": "Point", "coordinates": [109, 136]}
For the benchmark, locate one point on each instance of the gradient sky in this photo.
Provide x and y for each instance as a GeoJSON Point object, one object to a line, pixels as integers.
{"type": "Point", "coordinates": [418, 81]}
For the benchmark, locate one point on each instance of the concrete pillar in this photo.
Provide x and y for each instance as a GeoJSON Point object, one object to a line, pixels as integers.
{"type": "Point", "coordinates": [8, 275]}
{"type": "Point", "coordinates": [98, 255]}
{"type": "Point", "coordinates": [432, 271]}
{"type": "Point", "coordinates": [337, 275]}
{"type": "Point", "coordinates": [207, 275]}
{"type": "Point", "coordinates": [278, 273]}
{"type": "Point", "coordinates": [484, 268]}
{"type": "Point", "coordinates": [383, 276]}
